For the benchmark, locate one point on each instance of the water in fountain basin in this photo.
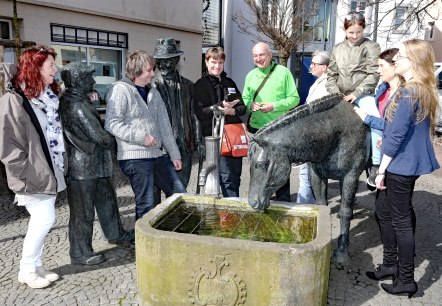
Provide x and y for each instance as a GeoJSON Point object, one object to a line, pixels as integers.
{"type": "Point", "coordinates": [275, 225]}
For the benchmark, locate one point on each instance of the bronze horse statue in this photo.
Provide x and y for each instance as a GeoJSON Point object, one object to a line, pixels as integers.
{"type": "Point", "coordinates": [329, 135]}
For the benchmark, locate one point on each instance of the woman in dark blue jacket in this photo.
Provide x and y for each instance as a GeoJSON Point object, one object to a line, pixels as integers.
{"type": "Point", "coordinates": [407, 153]}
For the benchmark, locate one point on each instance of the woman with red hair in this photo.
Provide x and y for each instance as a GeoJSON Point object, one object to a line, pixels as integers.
{"type": "Point", "coordinates": [32, 147]}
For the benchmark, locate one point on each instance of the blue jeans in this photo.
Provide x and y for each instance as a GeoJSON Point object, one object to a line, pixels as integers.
{"type": "Point", "coordinates": [230, 175]}
{"type": "Point", "coordinates": [368, 104]}
{"type": "Point", "coordinates": [305, 193]}
{"type": "Point", "coordinates": [144, 174]}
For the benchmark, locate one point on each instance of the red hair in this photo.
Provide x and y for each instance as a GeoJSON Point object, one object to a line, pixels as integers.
{"type": "Point", "coordinates": [28, 73]}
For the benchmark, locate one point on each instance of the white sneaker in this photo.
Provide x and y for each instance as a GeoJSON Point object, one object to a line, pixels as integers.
{"type": "Point", "coordinates": [49, 275]}
{"type": "Point", "coordinates": [33, 280]}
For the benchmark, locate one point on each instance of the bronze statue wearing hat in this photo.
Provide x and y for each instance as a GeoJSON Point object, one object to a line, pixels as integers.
{"type": "Point", "coordinates": [177, 94]}
{"type": "Point", "coordinates": [89, 185]}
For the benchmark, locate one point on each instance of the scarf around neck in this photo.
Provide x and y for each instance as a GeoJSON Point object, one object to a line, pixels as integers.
{"type": "Point", "coordinates": [48, 102]}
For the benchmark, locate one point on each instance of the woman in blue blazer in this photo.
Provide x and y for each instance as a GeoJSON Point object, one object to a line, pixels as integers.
{"type": "Point", "coordinates": [407, 153]}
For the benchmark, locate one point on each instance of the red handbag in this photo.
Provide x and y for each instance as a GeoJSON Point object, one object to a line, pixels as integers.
{"type": "Point", "coordinates": [235, 140]}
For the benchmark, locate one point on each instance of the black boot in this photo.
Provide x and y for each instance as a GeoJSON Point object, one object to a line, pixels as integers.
{"type": "Point", "coordinates": [399, 287]}
{"type": "Point", "coordinates": [88, 260]}
{"type": "Point", "coordinates": [382, 272]}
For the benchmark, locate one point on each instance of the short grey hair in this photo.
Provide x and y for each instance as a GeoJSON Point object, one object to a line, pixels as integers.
{"type": "Point", "coordinates": [136, 62]}
{"type": "Point", "coordinates": [323, 55]}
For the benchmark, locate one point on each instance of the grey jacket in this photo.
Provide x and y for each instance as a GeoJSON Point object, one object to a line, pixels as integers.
{"type": "Point", "coordinates": [88, 145]}
{"type": "Point", "coordinates": [130, 119]}
{"type": "Point", "coordinates": [23, 148]}
{"type": "Point", "coordinates": [353, 69]}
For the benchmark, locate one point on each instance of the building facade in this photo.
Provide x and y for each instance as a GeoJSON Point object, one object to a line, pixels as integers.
{"type": "Point", "coordinates": [103, 32]}
{"type": "Point", "coordinates": [387, 23]}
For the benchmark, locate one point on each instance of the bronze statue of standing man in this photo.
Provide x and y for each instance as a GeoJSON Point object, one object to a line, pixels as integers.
{"type": "Point", "coordinates": [89, 184]}
{"type": "Point", "coordinates": [177, 94]}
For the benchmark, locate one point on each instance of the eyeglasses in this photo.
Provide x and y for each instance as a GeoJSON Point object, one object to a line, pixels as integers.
{"type": "Point", "coordinates": [316, 64]}
{"type": "Point", "coordinates": [399, 56]}
{"type": "Point", "coordinates": [354, 16]}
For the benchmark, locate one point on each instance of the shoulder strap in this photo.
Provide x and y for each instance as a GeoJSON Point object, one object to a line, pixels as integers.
{"type": "Point", "coordinates": [263, 82]}
{"type": "Point", "coordinates": [34, 120]}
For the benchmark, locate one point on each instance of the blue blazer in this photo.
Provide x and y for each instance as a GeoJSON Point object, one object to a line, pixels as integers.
{"type": "Point", "coordinates": [407, 142]}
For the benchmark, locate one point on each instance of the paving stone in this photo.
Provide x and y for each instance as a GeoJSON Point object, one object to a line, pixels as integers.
{"type": "Point", "coordinates": [114, 281]}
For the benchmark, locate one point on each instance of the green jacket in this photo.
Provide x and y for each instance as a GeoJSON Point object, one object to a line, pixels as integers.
{"type": "Point", "coordinates": [353, 69]}
{"type": "Point", "coordinates": [280, 89]}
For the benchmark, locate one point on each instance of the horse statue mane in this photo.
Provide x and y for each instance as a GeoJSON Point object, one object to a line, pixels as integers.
{"type": "Point", "coordinates": [316, 106]}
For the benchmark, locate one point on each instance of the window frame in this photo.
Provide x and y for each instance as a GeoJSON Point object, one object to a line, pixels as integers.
{"type": "Point", "coordinates": [401, 26]}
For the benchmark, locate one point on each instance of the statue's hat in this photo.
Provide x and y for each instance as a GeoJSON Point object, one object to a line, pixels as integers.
{"type": "Point", "coordinates": [166, 48]}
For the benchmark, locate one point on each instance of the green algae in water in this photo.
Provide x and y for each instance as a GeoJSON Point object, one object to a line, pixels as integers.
{"type": "Point", "coordinates": [220, 221]}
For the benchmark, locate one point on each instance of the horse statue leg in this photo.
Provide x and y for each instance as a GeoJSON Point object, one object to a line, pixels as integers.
{"type": "Point", "coordinates": [319, 186]}
{"type": "Point", "coordinates": [349, 186]}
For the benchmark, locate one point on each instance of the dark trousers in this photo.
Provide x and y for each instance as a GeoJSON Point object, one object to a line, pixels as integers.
{"type": "Point", "coordinates": [83, 197]}
{"type": "Point", "coordinates": [396, 217]}
{"type": "Point", "coordinates": [144, 174]}
{"type": "Point", "coordinates": [283, 193]}
{"type": "Point", "coordinates": [230, 169]}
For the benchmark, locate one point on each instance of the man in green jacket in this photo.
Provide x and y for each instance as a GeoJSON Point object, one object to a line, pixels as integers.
{"type": "Point", "coordinates": [277, 96]}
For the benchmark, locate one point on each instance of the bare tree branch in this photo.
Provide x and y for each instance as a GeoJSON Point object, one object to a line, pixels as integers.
{"type": "Point", "coordinates": [283, 24]}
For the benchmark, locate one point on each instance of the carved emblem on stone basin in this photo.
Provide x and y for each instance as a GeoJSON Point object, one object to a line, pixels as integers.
{"type": "Point", "coordinates": [213, 287]}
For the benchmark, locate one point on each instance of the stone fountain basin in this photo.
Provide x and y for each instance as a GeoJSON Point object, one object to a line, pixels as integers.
{"type": "Point", "coordinates": [176, 268]}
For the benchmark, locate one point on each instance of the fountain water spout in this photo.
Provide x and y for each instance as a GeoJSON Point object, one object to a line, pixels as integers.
{"type": "Point", "coordinates": [208, 178]}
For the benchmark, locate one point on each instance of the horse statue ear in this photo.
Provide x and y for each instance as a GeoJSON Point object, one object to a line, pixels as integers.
{"type": "Point", "coordinates": [260, 140]}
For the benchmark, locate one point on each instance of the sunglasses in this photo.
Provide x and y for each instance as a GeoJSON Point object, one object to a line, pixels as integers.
{"type": "Point", "coordinates": [42, 50]}
{"type": "Point", "coordinates": [354, 16]}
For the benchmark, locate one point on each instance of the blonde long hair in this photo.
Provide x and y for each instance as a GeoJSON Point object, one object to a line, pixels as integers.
{"type": "Point", "coordinates": [423, 85]}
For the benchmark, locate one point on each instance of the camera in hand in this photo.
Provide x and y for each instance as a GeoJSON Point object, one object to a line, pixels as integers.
{"type": "Point", "coordinates": [231, 97]}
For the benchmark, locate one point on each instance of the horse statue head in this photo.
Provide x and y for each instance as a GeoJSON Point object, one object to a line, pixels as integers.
{"type": "Point", "coordinates": [269, 170]}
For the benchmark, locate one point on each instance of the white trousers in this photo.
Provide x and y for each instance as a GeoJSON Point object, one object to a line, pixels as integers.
{"type": "Point", "coordinates": [42, 218]}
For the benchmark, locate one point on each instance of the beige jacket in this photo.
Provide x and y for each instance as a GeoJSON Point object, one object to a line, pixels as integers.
{"type": "Point", "coordinates": [23, 148]}
{"type": "Point", "coordinates": [353, 69]}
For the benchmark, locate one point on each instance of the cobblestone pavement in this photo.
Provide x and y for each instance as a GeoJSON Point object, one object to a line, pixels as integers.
{"type": "Point", "coordinates": [114, 281]}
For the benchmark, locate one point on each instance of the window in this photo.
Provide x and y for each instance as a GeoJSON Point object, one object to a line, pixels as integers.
{"type": "Point", "coordinates": [358, 6]}
{"type": "Point", "coordinates": [399, 21]}
{"type": "Point", "coordinates": [211, 23]}
{"type": "Point", "coordinates": [84, 36]}
{"type": "Point", "coordinates": [6, 33]}
{"type": "Point", "coordinates": [104, 50]}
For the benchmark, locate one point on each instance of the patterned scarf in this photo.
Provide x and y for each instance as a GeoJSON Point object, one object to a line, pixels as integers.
{"type": "Point", "coordinates": [48, 102]}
